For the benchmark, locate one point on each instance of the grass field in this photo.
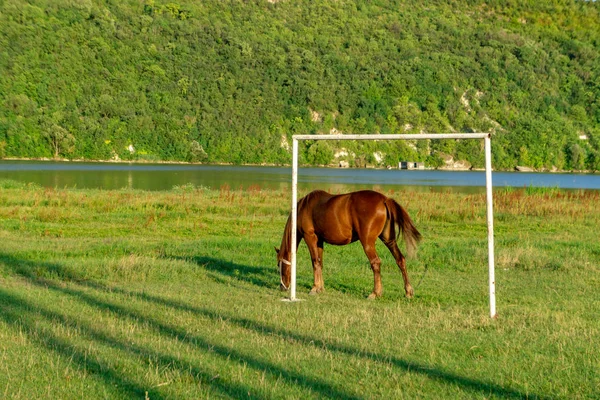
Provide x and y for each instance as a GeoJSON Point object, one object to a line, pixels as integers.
{"type": "Point", "coordinates": [133, 294]}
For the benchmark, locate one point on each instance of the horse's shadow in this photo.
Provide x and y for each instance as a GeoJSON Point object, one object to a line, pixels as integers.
{"type": "Point", "coordinates": [223, 271]}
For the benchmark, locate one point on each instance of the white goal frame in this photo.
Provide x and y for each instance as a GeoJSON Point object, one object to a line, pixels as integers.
{"type": "Point", "coordinates": [488, 185]}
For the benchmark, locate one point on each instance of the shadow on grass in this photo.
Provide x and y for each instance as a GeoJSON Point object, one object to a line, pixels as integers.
{"type": "Point", "coordinates": [484, 388]}
{"type": "Point", "coordinates": [259, 276]}
{"type": "Point", "coordinates": [27, 315]}
{"type": "Point", "coordinates": [268, 277]}
{"type": "Point", "coordinates": [24, 312]}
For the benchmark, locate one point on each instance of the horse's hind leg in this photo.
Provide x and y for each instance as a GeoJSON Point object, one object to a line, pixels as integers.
{"type": "Point", "coordinates": [401, 261]}
{"type": "Point", "coordinates": [375, 262]}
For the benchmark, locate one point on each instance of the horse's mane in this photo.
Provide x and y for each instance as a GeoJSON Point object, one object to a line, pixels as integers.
{"type": "Point", "coordinates": [286, 242]}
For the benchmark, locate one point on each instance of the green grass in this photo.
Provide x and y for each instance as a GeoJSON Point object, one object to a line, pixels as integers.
{"type": "Point", "coordinates": [133, 294]}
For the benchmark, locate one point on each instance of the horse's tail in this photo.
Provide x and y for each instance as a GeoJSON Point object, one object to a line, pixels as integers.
{"type": "Point", "coordinates": [400, 217]}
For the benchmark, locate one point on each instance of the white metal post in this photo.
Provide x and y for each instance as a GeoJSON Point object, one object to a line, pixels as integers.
{"type": "Point", "coordinates": [490, 225]}
{"type": "Point", "coordinates": [488, 186]}
{"type": "Point", "coordinates": [294, 217]}
{"type": "Point", "coordinates": [394, 136]}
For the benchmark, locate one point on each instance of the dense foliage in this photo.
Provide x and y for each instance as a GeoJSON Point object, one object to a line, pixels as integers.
{"type": "Point", "coordinates": [216, 81]}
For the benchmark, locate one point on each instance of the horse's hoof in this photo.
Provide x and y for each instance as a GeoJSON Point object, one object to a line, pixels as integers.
{"type": "Point", "coordinates": [410, 293]}
{"type": "Point", "coordinates": [314, 291]}
{"type": "Point", "coordinates": [373, 296]}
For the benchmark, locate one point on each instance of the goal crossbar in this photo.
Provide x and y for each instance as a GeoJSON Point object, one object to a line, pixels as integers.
{"type": "Point", "coordinates": [395, 137]}
{"type": "Point", "coordinates": [488, 185]}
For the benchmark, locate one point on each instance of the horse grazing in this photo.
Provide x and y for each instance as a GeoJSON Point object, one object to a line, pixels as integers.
{"type": "Point", "coordinates": [341, 219]}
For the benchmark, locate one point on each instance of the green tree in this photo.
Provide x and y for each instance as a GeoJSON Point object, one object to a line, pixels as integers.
{"type": "Point", "coordinates": [576, 156]}
{"type": "Point", "coordinates": [60, 140]}
{"type": "Point", "coordinates": [319, 153]}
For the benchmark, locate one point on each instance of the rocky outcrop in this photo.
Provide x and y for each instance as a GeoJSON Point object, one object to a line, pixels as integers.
{"type": "Point", "coordinates": [524, 169]}
{"type": "Point", "coordinates": [451, 164]}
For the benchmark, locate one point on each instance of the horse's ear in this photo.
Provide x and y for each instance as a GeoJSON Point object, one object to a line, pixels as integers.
{"type": "Point", "coordinates": [276, 250]}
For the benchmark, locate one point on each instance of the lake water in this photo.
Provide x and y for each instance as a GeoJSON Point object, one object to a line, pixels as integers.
{"type": "Point", "coordinates": [165, 176]}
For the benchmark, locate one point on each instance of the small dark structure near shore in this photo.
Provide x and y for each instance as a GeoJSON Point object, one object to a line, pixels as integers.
{"type": "Point", "coordinates": [411, 165]}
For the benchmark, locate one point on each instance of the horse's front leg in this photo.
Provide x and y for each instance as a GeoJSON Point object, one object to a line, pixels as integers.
{"type": "Point", "coordinates": [315, 247]}
{"type": "Point", "coordinates": [319, 277]}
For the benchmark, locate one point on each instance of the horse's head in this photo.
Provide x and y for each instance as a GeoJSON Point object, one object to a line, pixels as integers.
{"type": "Point", "coordinates": [285, 269]}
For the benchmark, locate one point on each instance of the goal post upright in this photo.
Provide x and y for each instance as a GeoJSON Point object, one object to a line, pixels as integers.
{"type": "Point", "coordinates": [294, 218]}
{"type": "Point", "coordinates": [490, 224]}
{"type": "Point", "coordinates": [488, 184]}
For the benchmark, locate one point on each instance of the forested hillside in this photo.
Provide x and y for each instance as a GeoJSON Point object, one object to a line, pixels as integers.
{"type": "Point", "coordinates": [231, 81]}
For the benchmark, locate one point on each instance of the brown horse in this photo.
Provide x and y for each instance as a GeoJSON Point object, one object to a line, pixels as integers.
{"type": "Point", "coordinates": [341, 219]}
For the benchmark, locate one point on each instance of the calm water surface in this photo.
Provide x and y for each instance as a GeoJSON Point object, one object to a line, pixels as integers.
{"type": "Point", "coordinates": [165, 176]}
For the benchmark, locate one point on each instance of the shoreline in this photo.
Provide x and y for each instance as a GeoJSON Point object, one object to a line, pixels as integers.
{"type": "Point", "coordinates": [66, 160]}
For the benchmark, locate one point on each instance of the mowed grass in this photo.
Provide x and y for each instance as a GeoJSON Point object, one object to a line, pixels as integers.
{"type": "Point", "coordinates": [134, 294]}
